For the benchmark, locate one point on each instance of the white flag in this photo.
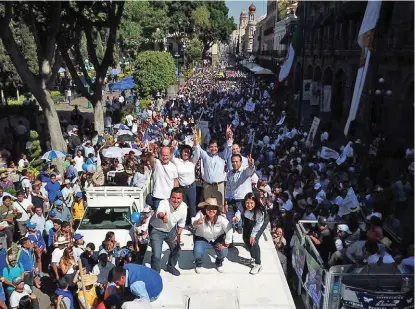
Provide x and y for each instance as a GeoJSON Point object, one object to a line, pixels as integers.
{"type": "Point", "coordinates": [328, 153]}
{"type": "Point", "coordinates": [343, 156]}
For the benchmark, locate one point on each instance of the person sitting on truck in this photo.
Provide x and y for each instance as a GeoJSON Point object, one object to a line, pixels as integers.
{"type": "Point", "coordinates": [375, 254]}
{"type": "Point", "coordinates": [139, 233]}
{"type": "Point", "coordinates": [102, 269]}
{"type": "Point", "coordinates": [323, 239]}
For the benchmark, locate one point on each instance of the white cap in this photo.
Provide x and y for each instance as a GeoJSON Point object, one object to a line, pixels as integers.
{"type": "Point", "coordinates": [344, 228]}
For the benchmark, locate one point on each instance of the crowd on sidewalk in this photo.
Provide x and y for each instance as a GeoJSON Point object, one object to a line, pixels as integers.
{"type": "Point", "coordinates": [248, 167]}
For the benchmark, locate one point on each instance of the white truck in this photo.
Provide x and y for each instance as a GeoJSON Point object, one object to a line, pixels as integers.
{"type": "Point", "coordinates": [109, 209]}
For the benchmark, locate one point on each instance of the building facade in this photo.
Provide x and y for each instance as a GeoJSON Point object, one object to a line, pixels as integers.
{"type": "Point", "coordinates": [331, 61]}
{"type": "Point", "coordinates": [248, 38]}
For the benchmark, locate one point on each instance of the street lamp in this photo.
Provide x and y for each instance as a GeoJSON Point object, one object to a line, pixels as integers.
{"type": "Point", "coordinates": [381, 91]}
{"type": "Point", "coordinates": [177, 56]}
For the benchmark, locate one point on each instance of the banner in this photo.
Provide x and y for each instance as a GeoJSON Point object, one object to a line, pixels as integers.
{"type": "Point", "coordinates": [365, 41]}
{"type": "Point", "coordinates": [188, 140]}
{"type": "Point", "coordinates": [298, 258]}
{"type": "Point", "coordinates": [249, 106]}
{"type": "Point", "coordinates": [359, 298]}
{"type": "Point", "coordinates": [328, 153]}
{"type": "Point", "coordinates": [349, 202]}
{"type": "Point", "coordinates": [281, 121]}
{"type": "Point", "coordinates": [326, 104]}
{"type": "Point", "coordinates": [307, 89]}
{"type": "Point", "coordinates": [315, 94]}
{"type": "Point", "coordinates": [313, 131]}
{"type": "Point", "coordinates": [314, 280]}
{"type": "Point", "coordinates": [204, 128]}
{"type": "Point", "coordinates": [344, 154]}
{"type": "Point", "coordinates": [152, 133]}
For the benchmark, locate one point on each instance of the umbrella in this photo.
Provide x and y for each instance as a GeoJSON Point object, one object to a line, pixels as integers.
{"type": "Point", "coordinates": [125, 138]}
{"type": "Point", "coordinates": [61, 70]}
{"type": "Point", "coordinates": [127, 151]}
{"type": "Point", "coordinates": [113, 152]}
{"type": "Point", "coordinates": [124, 132]}
{"type": "Point", "coordinates": [53, 154]}
{"type": "Point", "coordinates": [121, 126]}
{"type": "Point", "coordinates": [115, 72]}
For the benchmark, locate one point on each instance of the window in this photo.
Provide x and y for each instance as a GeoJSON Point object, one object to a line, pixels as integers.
{"type": "Point", "coordinates": [251, 31]}
{"type": "Point", "coordinates": [106, 218]}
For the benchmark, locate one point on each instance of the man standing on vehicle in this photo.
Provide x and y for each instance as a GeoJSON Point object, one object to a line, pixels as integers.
{"type": "Point", "coordinates": [164, 176]}
{"type": "Point", "coordinates": [166, 225]}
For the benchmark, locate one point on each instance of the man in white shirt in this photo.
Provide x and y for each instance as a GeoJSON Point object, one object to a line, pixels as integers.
{"type": "Point", "coordinates": [22, 207]}
{"type": "Point", "coordinates": [62, 243]}
{"type": "Point", "coordinates": [39, 219]}
{"type": "Point", "coordinates": [21, 289]}
{"type": "Point", "coordinates": [375, 254]}
{"type": "Point", "coordinates": [238, 185]}
{"type": "Point", "coordinates": [164, 176]}
{"type": "Point", "coordinates": [129, 118]}
{"type": "Point", "coordinates": [79, 161]}
{"type": "Point", "coordinates": [102, 269]}
{"type": "Point", "coordinates": [167, 224]}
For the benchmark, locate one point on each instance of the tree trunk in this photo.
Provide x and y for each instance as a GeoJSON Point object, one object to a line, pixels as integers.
{"type": "Point", "coordinates": [52, 119]}
{"type": "Point", "coordinates": [206, 48]}
{"type": "Point", "coordinates": [99, 116]}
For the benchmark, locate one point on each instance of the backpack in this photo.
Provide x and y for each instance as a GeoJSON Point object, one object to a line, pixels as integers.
{"type": "Point", "coordinates": [19, 185]}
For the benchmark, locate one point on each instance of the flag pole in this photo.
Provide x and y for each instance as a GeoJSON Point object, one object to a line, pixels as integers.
{"type": "Point", "coordinates": [301, 23]}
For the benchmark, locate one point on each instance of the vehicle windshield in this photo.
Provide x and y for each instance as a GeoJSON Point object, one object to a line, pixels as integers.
{"type": "Point", "coordinates": [105, 218]}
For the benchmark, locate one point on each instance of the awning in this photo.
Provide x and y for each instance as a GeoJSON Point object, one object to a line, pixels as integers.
{"type": "Point", "coordinates": [264, 72]}
{"type": "Point", "coordinates": [351, 10]}
{"type": "Point", "coordinates": [285, 39]}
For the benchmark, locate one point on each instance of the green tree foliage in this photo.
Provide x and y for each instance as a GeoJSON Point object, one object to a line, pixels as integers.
{"type": "Point", "coordinates": [34, 157]}
{"type": "Point", "coordinates": [142, 22]}
{"type": "Point", "coordinates": [180, 13]}
{"type": "Point", "coordinates": [282, 8]}
{"type": "Point", "coordinates": [212, 23]}
{"type": "Point", "coordinates": [194, 50]}
{"type": "Point", "coordinates": [82, 46]}
{"type": "Point", "coordinates": [153, 71]}
{"type": "Point", "coordinates": [26, 44]}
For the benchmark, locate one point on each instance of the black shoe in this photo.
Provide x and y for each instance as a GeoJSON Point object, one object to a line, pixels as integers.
{"type": "Point", "coordinates": [173, 270]}
{"type": "Point", "coordinates": [239, 229]}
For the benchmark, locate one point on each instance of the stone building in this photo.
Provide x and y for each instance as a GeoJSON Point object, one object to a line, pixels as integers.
{"type": "Point", "coordinates": [331, 61]}
{"type": "Point", "coordinates": [248, 38]}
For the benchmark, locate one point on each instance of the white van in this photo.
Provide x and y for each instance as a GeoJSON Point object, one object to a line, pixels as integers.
{"type": "Point", "coordinates": [109, 209]}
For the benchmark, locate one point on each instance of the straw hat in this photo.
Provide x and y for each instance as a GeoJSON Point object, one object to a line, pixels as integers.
{"type": "Point", "coordinates": [61, 241]}
{"type": "Point", "coordinates": [89, 279]}
{"type": "Point", "coordinates": [211, 201]}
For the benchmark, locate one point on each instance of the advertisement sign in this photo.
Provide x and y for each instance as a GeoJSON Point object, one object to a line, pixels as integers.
{"type": "Point", "coordinates": [298, 258]}
{"type": "Point", "coordinates": [326, 104]}
{"type": "Point", "coordinates": [313, 131]}
{"type": "Point", "coordinates": [360, 298]}
{"type": "Point", "coordinates": [314, 280]}
{"type": "Point", "coordinates": [306, 89]}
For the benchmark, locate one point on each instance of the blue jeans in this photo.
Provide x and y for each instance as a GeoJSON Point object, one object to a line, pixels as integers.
{"type": "Point", "coordinates": [189, 197]}
{"type": "Point", "coordinates": [233, 207]}
{"type": "Point", "coordinates": [156, 202]}
{"type": "Point", "coordinates": [156, 239]}
{"type": "Point", "coordinates": [199, 249]}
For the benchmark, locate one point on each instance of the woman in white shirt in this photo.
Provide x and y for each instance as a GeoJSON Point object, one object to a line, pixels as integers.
{"type": "Point", "coordinates": [23, 162]}
{"type": "Point", "coordinates": [186, 176]}
{"type": "Point", "coordinates": [211, 228]}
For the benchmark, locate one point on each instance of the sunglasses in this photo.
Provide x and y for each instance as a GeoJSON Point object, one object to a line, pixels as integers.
{"type": "Point", "coordinates": [211, 208]}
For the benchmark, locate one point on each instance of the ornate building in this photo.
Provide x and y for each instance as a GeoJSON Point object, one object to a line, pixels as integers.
{"type": "Point", "coordinates": [238, 34]}
{"type": "Point", "coordinates": [331, 61]}
{"type": "Point", "coordinates": [248, 39]}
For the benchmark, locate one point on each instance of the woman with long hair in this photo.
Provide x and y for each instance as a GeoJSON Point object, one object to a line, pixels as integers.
{"type": "Point", "coordinates": [255, 220]}
{"type": "Point", "coordinates": [67, 264]}
{"type": "Point", "coordinates": [211, 228]}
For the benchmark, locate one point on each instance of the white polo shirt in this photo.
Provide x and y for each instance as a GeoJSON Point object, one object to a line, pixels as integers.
{"type": "Point", "coordinates": [22, 208]}
{"type": "Point", "coordinates": [163, 179]}
{"type": "Point", "coordinates": [175, 216]}
{"type": "Point", "coordinates": [185, 171]}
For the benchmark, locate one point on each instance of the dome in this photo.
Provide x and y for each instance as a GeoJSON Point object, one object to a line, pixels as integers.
{"type": "Point", "coordinates": [252, 8]}
{"type": "Point", "coordinates": [243, 13]}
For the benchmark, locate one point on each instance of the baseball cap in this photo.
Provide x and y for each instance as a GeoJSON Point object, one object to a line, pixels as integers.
{"type": "Point", "coordinates": [31, 225]}
{"type": "Point", "coordinates": [58, 203]}
{"type": "Point", "coordinates": [17, 280]}
{"type": "Point", "coordinates": [77, 236]}
{"type": "Point", "coordinates": [344, 228]}
{"type": "Point", "coordinates": [52, 213]}
{"type": "Point", "coordinates": [78, 194]}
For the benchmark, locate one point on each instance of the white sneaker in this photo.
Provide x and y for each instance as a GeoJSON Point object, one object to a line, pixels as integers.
{"type": "Point", "coordinates": [220, 269]}
{"type": "Point", "coordinates": [256, 269]}
{"type": "Point", "coordinates": [198, 270]}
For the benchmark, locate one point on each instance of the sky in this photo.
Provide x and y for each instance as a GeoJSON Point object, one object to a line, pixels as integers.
{"type": "Point", "coordinates": [235, 8]}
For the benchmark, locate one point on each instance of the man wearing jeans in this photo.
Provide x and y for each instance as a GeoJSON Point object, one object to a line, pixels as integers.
{"type": "Point", "coordinates": [166, 225]}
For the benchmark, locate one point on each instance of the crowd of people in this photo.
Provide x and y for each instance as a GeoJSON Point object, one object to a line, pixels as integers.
{"type": "Point", "coordinates": [251, 167]}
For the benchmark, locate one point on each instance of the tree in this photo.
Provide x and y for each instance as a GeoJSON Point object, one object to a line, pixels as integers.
{"type": "Point", "coordinates": [153, 71]}
{"type": "Point", "coordinates": [194, 50]}
{"type": "Point", "coordinates": [100, 48]}
{"type": "Point", "coordinates": [93, 19]}
{"type": "Point", "coordinates": [282, 8]}
{"type": "Point", "coordinates": [212, 23]}
{"type": "Point", "coordinates": [43, 19]}
{"type": "Point", "coordinates": [142, 22]}
{"type": "Point", "coordinates": [35, 160]}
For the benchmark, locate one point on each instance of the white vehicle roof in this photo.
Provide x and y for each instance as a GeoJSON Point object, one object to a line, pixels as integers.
{"type": "Point", "coordinates": [114, 196]}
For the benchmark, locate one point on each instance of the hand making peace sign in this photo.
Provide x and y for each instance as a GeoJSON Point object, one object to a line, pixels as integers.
{"type": "Point", "coordinates": [251, 161]}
